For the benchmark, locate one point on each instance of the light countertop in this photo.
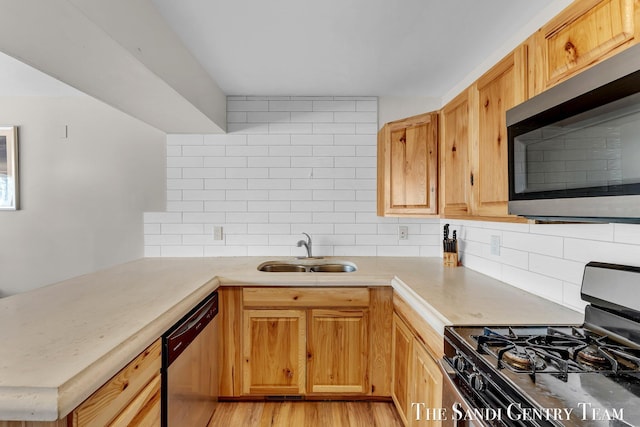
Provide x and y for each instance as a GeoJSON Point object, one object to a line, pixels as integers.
{"type": "Point", "coordinates": [63, 341]}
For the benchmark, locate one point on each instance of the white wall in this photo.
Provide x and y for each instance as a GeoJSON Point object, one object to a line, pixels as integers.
{"type": "Point", "coordinates": [288, 165]}
{"type": "Point", "coordinates": [546, 259]}
{"type": "Point", "coordinates": [82, 197]}
{"type": "Point", "coordinates": [392, 108]}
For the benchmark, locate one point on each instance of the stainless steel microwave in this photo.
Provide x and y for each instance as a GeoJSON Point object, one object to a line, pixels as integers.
{"type": "Point", "coordinates": [574, 150]}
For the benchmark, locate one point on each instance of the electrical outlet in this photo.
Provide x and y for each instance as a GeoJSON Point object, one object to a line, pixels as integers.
{"type": "Point", "coordinates": [217, 232]}
{"type": "Point", "coordinates": [495, 245]}
{"type": "Point", "coordinates": [403, 232]}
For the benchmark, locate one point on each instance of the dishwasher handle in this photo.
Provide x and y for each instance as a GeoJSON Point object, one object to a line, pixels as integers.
{"type": "Point", "coordinates": [181, 335]}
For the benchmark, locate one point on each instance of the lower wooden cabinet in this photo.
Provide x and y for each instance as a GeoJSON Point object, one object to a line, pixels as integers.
{"type": "Point", "coordinates": [401, 351]}
{"type": "Point", "coordinates": [324, 342]}
{"type": "Point", "coordinates": [337, 349]}
{"type": "Point", "coordinates": [416, 376]}
{"type": "Point", "coordinates": [130, 398]}
{"type": "Point", "coordinates": [274, 352]}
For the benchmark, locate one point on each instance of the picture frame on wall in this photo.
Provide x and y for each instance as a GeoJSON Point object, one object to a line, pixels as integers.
{"type": "Point", "coordinates": [8, 167]}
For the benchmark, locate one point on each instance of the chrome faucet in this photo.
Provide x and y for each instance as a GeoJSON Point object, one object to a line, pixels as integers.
{"type": "Point", "coordinates": [306, 244]}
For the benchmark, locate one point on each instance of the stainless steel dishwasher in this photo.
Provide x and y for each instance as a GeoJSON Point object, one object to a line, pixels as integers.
{"type": "Point", "coordinates": [189, 371]}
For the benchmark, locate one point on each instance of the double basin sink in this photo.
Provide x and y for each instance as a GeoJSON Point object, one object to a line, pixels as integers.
{"type": "Point", "coordinates": [305, 266]}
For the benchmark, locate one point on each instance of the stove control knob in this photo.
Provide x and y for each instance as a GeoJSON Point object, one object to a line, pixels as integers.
{"type": "Point", "coordinates": [459, 363]}
{"type": "Point", "coordinates": [477, 382]}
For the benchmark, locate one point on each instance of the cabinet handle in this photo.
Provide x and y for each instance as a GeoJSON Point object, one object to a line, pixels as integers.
{"type": "Point", "coordinates": [472, 179]}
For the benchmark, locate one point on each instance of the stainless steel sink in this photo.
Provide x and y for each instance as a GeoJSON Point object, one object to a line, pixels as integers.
{"type": "Point", "coordinates": [300, 267]}
{"type": "Point", "coordinates": [333, 268]}
{"type": "Point", "coordinates": [283, 268]}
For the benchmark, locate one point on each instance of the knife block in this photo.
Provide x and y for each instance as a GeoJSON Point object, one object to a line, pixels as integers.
{"type": "Point", "coordinates": [450, 259]}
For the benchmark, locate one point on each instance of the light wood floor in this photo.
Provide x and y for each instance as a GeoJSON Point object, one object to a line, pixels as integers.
{"type": "Point", "coordinates": [305, 414]}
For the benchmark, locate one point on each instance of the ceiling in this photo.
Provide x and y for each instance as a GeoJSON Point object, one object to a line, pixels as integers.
{"type": "Point", "coordinates": [417, 48]}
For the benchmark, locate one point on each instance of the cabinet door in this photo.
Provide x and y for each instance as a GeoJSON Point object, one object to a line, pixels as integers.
{"type": "Point", "coordinates": [408, 178]}
{"type": "Point", "coordinates": [584, 34]}
{"type": "Point", "coordinates": [401, 353]}
{"type": "Point", "coordinates": [427, 386]}
{"type": "Point", "coordinates": [455, 182]}
{"type": "Point", "coordinates": [274, 352]}
{"type": "Point", "coordinates": [501, 88]}
{"type": "Point", "coordinates": [135, 384]}
{"type": "Point", "coordinates": [337, 351]}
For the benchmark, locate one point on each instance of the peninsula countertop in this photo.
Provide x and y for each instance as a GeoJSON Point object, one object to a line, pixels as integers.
{"type": "Point", "coordinates": [63, 341]}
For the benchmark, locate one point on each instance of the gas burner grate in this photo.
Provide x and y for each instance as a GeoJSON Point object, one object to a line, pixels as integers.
{"type": "Point", "coordinates": [556, 352]}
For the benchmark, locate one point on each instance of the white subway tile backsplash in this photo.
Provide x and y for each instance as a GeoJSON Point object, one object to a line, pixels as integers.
{"type": "Point", "coordinates": [269, 162]}
{"type": "Point", "coordinates": [184, 139]}
{"type": "Point", "coordinates": [334, 151]}
{"type": "Point", "coordinates": [356, 117]}
{"type": "Point", "coordinates": [205, 172]}
{"type": "Point", "coordinates": [312, 117]}
{"type": "Point", "coordinates": [314, 140]}
{"type": "Point", "coordinates": [366, 128]}
{"type": "Point", "coordinates": [289, 151]}
{"type": "Point", "coordinates": [247, 173]}
{"type": "Point", "coordinates": [185, 184]}
{"type": "Point", "coordinates": [226, 206]}
{"type": "Point", "coordinates": [334, 128]}
{"type": "Point", "coordinates": [233, 105]}
{"type": "Point", "coordinates": [269, 206]}
{"type": "Point", "coordinates": [174, 195]}
{"type": "Point", "coordinates": [546, 245]}
{"type": "Point", "coordinates": [222, 139]}
{"type": "Point", "coordinates": [268, 117]}
{"type": "Point", "coordinates": [227, 184]}
{"type": "Point", "coordinates": [365, 140]}
{"type": "Point", "coordinates": [367, 106]}
{"type": "Point", "coordinates": [181, 251]}
{"type": "Point", "coordinates": [174, 150]}
{"type": "Point", "coordinates": [247, 128]}
{"type": "Point", "coordinates": [202, 218]}
{"type": "Point", "coordinates": [312, 184]}
{"type": "Point", "coordinates": [182, 229]}
{"type": "Point", "coordinates": [174, 173]}
{"type": "Point", "coordinates": [269, 229]}
{"type": "Point", "coordinates": [287, 165]}
{"type": "Point", "coordinates": [289, 217]}
{"type": "Point", "coordinates": [293, 173]}
{"type": "Point", "coordinates": [246, 195]}
{"type": "Point", "coordinates": [218, 251]}
{"type": "Point", "coordinates": [289, 128]}
{"type": "Point", "coordinates": [185, 162]}
{"type": "Point", "coordinates": [202, 150]}
{"type": "Point", "coordinates": [288, 105]}
{"type": "Point", "coordinates": [203, 195]}
{"type": "Point", "coordinates": [269, 184]}
{"type": "Point", "coordinates": [270, 140]}
{"type": "Point", "coordinates": [334, 195]}
{"type": "Point", "coordinates": [313, 162]}
{"type": "Point", "coordinates": [236, 117]}
{"type": "Point", "coordinates": [215, 165]}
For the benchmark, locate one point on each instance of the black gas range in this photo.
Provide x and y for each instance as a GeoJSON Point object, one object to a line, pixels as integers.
{"type": "Point", "coordinates": [554, 375]}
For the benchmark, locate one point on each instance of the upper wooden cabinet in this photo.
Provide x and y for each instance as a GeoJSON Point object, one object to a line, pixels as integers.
{"type": "Point", "coordinates": [503, 87]}
{"type": "Point", "coordinates": [582, 35]}
{"type": "Point", "coordinates": [474, 168]}
{"type": "Point", "coordinates": [455, 175]}
{"type": "Point", "coordinates": [408, 167]}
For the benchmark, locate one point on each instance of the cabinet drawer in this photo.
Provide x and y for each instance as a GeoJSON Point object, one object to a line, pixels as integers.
{"type": "Point", "coordinates": [144, 410]}
{"type": "Point", "coordinates": [110, 400]}
{"type": "Point", "coordinates": [305, 297]}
